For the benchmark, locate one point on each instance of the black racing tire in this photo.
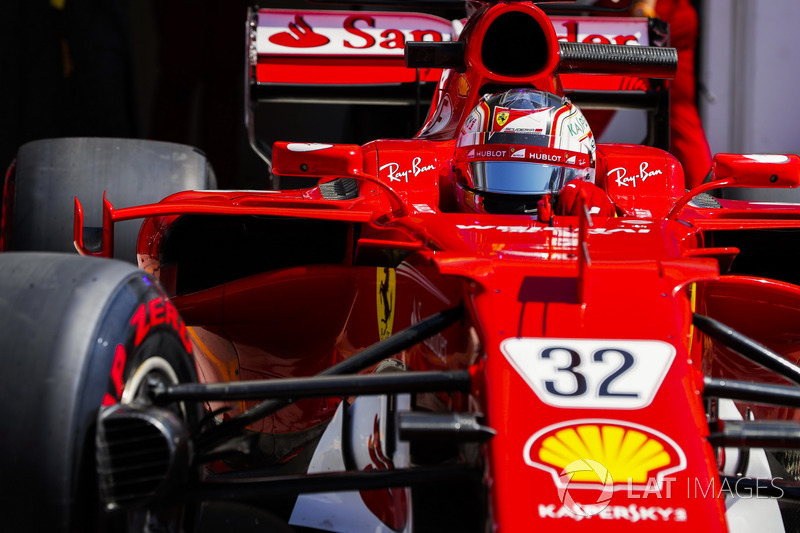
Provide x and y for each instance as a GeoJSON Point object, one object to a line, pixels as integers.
{"type": "Point", "coordinates": [50, 173]}
{"type": "Point", "coordinates": [75, 332]}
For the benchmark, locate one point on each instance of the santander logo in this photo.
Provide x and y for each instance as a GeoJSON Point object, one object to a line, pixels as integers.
{"type": "Point", "coordinates": [300, 35]}
{"type": "Point", "coordinates": [342, 33]}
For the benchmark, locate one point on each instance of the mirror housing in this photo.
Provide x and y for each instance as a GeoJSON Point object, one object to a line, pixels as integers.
{"type": "Point", "coordinates": [317, 160]}
{"type": "Point", "coordinates": [757, 170]}
{"type": "Point", "coordinates": [772, 171]}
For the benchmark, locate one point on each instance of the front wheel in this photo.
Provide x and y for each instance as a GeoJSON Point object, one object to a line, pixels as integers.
{"type": "Point", "coordinates": [81, 334]}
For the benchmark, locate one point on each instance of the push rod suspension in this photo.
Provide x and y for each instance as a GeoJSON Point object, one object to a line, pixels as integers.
{"type": "Point", "coordinates": [318, 386]}
{"type": "Point", "coordinates": [761, 393]}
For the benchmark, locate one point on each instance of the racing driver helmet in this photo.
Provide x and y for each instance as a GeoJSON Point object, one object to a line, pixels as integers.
{"type": "Point", "coordinates": [519, 146]}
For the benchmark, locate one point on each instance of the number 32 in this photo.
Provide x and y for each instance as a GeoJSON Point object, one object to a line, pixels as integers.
{"type": "Point", "coordinates": [574, 368]}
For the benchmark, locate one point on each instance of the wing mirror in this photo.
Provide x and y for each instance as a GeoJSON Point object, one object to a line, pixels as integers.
{"type": "Point", "coordinates": [741, 170]}
{"type": "Point", "coordinates": [316, 160]}
{"type": "Point", "coordinates": [758, 170]}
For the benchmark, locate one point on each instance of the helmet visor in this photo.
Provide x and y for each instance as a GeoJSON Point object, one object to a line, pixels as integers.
{"type": "Point", "coordinates": [516, 177]}
{"type": "Point", "coordinates": [519, 169]}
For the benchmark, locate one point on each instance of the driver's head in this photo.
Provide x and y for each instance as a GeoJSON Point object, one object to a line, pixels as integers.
{"type": "Point", "coordinates": [517, 146]}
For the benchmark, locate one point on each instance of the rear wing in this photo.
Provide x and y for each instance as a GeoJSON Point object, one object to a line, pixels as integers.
{"type": "Point", "coordinates": [357, 58]}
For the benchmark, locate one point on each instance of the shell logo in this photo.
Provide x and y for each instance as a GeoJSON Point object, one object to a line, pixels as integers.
{"type": "Point", "coordinates": [634, 456]}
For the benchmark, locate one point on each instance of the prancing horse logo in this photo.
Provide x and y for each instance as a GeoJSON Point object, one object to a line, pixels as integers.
{"type": "Point", "coordinates": [502, 118]}
{"type": "Point", "coordinates": [385, 301]}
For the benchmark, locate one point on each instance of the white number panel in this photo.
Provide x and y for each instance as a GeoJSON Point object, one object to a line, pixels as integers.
{"type": "Point", "coordinates": [591, 374]}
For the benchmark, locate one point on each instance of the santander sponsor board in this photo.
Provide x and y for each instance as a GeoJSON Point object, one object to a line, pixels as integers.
{"type": "Point", "coordinates": [342, 33]}
{"type": "Point", "coordinates": [292, 32]}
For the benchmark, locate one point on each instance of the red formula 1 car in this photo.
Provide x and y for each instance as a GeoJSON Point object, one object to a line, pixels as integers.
{"type": "Point", "coordinates": [496, 325]}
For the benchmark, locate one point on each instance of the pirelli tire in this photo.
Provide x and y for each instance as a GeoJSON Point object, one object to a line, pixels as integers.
{"type": "Point", "coordinates": [75, 331]}
{"type": "Point", "coordinates": [50, 173]}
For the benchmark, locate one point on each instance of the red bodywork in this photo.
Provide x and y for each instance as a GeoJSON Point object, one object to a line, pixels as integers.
{"type": "Point", "coordinates": [557, 315]}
